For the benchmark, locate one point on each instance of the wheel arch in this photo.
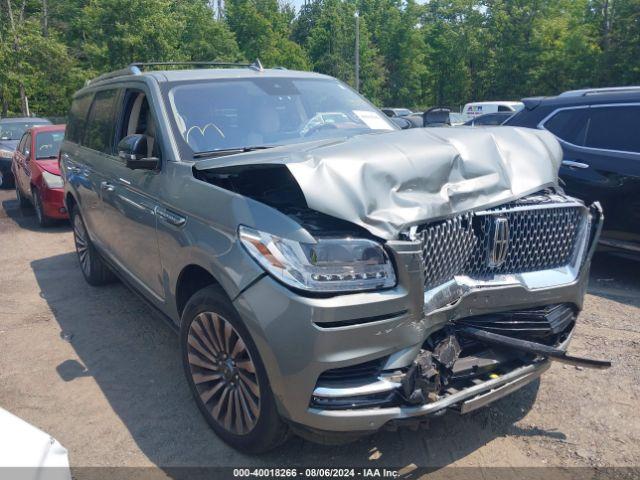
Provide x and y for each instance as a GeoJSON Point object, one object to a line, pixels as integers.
{"type": "Point", "coordinates": [192, 278]}
{"type": "Point", "coordinates": [69, 201]}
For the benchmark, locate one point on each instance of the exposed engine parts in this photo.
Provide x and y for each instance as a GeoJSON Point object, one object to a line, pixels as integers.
{"type": "Point", "coordinates": [430, 372]}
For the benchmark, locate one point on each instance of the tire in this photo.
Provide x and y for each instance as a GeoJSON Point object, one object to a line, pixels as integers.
{"type": "Point", "coordinates": [22, 201]}
{"type": "Point", "coordinates": [43, 220]}
{"type": "Point", "coordinates": [232, 390]}
{"type": "Point", "coordinates": [93, 268]}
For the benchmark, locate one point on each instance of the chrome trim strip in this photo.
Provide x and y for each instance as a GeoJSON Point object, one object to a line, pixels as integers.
{"type": "Point", "coordinates": [532, 207]}
{"type": "Point", "coordinates": [379, 386]}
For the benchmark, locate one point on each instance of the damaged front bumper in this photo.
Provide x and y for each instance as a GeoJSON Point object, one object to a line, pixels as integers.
{"type": "Point", "coordinates": [337, 364]}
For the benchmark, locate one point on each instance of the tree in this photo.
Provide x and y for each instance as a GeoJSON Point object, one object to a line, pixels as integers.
{"type": "Point", "coordinates": [262, 28]}
{"type": "Point", "coordinates": [37, 73]}
{"type": "Point", "coordinates": [326, 28]}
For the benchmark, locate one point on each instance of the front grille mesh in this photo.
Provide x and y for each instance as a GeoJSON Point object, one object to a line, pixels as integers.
{"type": "Point", "coordinates": [539, 239]}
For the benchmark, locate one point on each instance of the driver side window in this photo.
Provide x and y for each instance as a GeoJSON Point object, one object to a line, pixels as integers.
{"type": "Point", "coordinates": [138, 119]}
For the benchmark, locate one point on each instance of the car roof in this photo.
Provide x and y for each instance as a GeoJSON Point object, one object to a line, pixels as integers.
{"type": "Point", "coordinates": [497, 102]}
{"type": "Point", "coordinates": [587, 97]}
{"type": "Point", "coordinates": [25, 120]}
{"type": "Point", "coordinates": [197, 74]}
{"type": "Point", "coordinates": [47, 128]}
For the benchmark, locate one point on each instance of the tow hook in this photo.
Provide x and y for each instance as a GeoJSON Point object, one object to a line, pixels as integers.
{"type": "Point", "coordinates": [552, 353]}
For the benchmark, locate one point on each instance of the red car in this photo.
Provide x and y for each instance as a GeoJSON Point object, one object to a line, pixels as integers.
{"type": "Point", "coordinates": [37, 173]}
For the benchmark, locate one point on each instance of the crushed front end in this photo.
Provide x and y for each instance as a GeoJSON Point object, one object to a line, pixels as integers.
{"type": "Point", "coordinates": [516, 273]}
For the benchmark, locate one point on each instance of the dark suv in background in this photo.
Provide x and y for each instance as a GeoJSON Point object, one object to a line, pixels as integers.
{"type": "Point", "coordinates": [599, 130]}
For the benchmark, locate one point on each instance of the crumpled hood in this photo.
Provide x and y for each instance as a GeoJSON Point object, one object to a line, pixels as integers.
{"type": "Point", "coordinates": [388, 182]}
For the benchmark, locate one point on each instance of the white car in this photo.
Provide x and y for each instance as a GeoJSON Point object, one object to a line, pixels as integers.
{"type": "Point", "coordinates": [475, 109]}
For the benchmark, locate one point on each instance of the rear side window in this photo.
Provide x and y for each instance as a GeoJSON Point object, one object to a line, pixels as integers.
{"type": "Point", "coordinates": [569, 125]}
{"type": "Point", "coordinates": [503, 108]}
{"type": "Point", "coordinates": [100, 126]}
{"type": "Point", "coordinates": [78, 118]}
{"type": "Point", "coordinates": [615, 128]}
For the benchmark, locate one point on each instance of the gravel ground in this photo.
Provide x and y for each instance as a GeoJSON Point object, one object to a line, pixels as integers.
{"type": "Point", "coordinates": [95, 369]}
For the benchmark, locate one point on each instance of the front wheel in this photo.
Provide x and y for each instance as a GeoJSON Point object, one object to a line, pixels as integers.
{"type": "Point", "coordinates": [43, 220]}
{"type": "Point", "coordinates": [94, 270]}
{"type": "Point", "coordinates": [226, 375]}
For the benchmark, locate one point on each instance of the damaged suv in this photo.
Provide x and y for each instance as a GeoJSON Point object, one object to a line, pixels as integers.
{"type": "Point", "coordinates": [328, 273]}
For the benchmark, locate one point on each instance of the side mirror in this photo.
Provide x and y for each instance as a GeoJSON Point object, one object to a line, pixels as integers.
{"type": "Point", "coordinates": [402, 122]}
{"type": "Point", "coordinates": [133, 150]}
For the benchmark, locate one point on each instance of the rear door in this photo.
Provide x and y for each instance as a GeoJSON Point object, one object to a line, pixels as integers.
{"type": "Point", "coordinates": [601, 146]}
{"type": "Point", "coordinates": [94, 156]}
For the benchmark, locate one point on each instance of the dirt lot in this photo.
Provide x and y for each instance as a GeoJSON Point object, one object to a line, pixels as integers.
{"type": "Point", "coordinates": [95, 369]}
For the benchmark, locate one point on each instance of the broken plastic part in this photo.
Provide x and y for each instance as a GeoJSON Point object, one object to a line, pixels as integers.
{"type": "Point", "coordinates": [532, 347]}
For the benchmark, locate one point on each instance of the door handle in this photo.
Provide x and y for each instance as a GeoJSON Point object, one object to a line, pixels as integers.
{"type": "Point", "coordinates": [574, 164]}
{"type": "Point", "coordinates": [107, 187]}
{"type": "Point", "coordinates": [170, 217]}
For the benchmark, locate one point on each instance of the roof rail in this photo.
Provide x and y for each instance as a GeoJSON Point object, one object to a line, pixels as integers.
{"type": "Point", "coordinates": [599, 91]}
{"type": "Point", "coordinates": [256, 65]}
{"type": "Point", "coordinates": [130, 70]}
{"type": "Point", "coordinates": [136, 68]}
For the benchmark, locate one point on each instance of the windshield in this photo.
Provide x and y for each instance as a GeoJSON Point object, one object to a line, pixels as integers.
{"type": "Point", "coordinates": [15, 130]}
{"type": "Point", "coordinates": [236, 114]}
{"type": "Point", "coordinates": [48, 144]}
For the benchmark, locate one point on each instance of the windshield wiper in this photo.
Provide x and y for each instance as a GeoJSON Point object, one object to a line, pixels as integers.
{"type": "Point", "coordinates": [231, 151]}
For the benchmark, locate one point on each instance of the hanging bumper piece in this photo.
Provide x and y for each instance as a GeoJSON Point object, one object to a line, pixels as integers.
{"type": "Point", "coordinates": [552, 353]}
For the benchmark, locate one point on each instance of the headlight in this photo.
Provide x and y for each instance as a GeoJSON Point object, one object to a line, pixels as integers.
{"type": "Point", "coordinates": [6, 153]}
{"type": "Point", "coordinates": [52, 181]}
{"type": "Point", "coordinates": [330, 265]}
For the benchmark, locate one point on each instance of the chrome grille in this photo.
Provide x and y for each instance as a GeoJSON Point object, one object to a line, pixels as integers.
{"type": "Point", "coordinates": [540, 237]}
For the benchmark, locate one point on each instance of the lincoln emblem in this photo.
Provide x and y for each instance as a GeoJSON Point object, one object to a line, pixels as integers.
{"type": "Point", "coordinates": [499, 245]}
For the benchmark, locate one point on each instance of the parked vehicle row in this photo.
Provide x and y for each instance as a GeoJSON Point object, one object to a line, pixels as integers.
{"type": "Point", "coordinates": [11, 132]}
{"type": "Point", "coordinates": [329, 273]}
{"type": "Point", "coordinates": [36, 171]}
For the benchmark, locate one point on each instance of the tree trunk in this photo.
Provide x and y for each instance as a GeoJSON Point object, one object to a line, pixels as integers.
{"type": "Point", "coordinates": [24, 102]}
{"type": "Point", "coordinates": [45, 18]}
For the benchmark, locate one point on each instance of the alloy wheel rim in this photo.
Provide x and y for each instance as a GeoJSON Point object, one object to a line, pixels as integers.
{"type": "Point", "coordinates": [224, 373]}
{"type": "Point", "coordinates": [82, 244]}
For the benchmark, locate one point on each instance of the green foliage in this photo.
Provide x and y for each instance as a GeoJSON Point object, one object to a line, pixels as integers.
{"type": "Point", "coordinates": [413, 53]}
{"type": "Point", "coordinates": [263, 28]}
